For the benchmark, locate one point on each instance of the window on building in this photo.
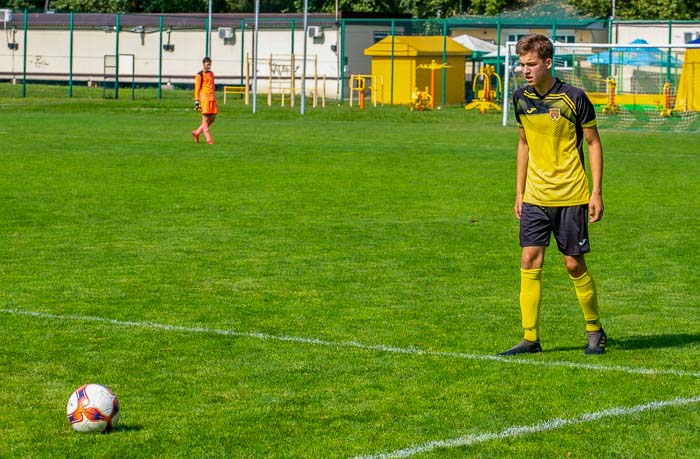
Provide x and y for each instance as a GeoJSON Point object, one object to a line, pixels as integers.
{"type": "Point", "coordinates": [561, 37]}
{"type": "Point", "coordinates": [517, 36]}
{"type": "Point", "coordinates": [566, 38]}
{"type": "Point", "coordinates": [382, 34]}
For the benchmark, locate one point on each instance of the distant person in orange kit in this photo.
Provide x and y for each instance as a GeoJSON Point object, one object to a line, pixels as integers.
{"type": "Point", "coordinates": [205, 100]}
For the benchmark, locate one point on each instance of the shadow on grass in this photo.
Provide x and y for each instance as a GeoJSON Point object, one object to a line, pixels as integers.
{"type": "Point", "coordinates": [637, 342]}
{"type": "Point", "coordinates": [654, 341]}
{"type": "Point", "coordinates": [126, 428]}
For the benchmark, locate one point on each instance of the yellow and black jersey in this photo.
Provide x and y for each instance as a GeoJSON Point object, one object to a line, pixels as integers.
{"type": "Point", "coordinates": [553, 125]}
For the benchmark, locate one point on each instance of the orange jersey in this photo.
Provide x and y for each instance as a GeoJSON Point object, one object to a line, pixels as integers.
{"type": "Point", "coordinates": [204, 89]}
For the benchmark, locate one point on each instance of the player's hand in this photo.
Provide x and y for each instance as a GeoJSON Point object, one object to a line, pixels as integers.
{"type": "Point", "coordinates": [518, 207]}
{"type": "Point", "coordinates": [197, 106]}
{"type": "Point", "coordinates": [595, 208]}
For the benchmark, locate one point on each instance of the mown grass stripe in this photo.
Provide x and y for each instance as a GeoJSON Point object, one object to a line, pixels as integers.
{"type": "Point", "coordinates": [515, 431]}
{"type": "Point", "coordinates": [357, 345]}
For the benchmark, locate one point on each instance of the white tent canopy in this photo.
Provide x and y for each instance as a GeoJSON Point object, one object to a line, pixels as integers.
{"type": "Point", "coordinates": [475, 44]}
{"type": "Point", "coordinates": [496, 52]}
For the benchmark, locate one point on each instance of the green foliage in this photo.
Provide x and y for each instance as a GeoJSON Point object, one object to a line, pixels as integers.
{"type": "Point", "coordinates": [636, 9]}
{"type": "Point", "coordinates": [21, 5]}
{"type": "Point", "coordinates": [248, 6]}
{"type": "Point", "coordinates": [176, 6]}
{"type": "Point", "coordinates": [93, 6]}
{"type": "Point", "coordinates": [363, 6]}
{"type": "Point", "coordinates": [491, 7]}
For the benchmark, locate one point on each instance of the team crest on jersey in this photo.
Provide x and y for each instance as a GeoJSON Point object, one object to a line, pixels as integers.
{"type": "Point", "coordinates": [554, 114]}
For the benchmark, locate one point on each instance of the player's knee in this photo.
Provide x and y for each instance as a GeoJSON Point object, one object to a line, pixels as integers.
{"type": "Point", "coordinates": [531, 259]}
{"type": "Point", "coordinates": [576, 266]}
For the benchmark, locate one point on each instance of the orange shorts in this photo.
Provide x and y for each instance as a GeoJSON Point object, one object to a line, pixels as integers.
{"type": "Point", "coordinates": [209, 107]}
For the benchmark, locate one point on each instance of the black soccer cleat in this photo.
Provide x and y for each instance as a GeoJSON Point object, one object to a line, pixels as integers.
{"type": "Point", "coordinates": [524, 347]}
{"type": "Point", "coordinates": [596, 342]}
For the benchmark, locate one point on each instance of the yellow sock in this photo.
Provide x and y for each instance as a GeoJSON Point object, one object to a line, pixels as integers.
{"type": "Point", "coordinates": [530, 300]}
{"type": "Point", "coordinates": [588, 299]}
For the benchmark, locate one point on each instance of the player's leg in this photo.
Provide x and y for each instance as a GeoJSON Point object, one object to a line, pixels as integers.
{"type": "Point", "coordinates": [571, 234]}
{"type": "Point", "coordinates": [587, 295]}
{"type": "Point", "coordinates": [535, 231]}
{"type": "Point", "coordinates": [530, 301]}
{"type": "Point", "coordinates": [211, 112]}
{"type": "Point", "coordinates": [531, 262]}
{"type": "Point", "coordinates": [530, 297]}
{"type": "Point", "coordinates": [206, 122]}
{"type": "Point", "coordinates": [200, 129]}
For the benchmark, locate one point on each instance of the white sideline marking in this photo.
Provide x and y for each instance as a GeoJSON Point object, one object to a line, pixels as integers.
{"type": "Point", "coordinates": [354, 344]}
{"type": "Point", "coordinates": [515, 431]}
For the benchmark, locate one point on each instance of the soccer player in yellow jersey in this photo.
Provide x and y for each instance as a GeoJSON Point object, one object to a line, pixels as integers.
{"type": "Point", "coordinates": [552, 195]}
{"type": "Point", "coordinates": [205, 100]}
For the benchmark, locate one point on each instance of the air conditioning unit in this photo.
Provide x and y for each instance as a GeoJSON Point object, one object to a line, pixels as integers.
{"type": "Point", "coordinates": [225, 33]}
{"type": "Point", "coordinates": [315, 32]}
{"type": "Point", "coordinates": [5, 15]}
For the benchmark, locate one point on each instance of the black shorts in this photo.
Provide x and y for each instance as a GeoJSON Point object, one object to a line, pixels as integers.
{"type": "Point", "coordinates": [569, 225]}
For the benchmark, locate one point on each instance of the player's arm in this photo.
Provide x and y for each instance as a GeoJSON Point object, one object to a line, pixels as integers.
{"type": "Point", "coordinates": [522, 157]}
{"type": "Point", "coordinates": [197, 90]}
{"type": "Point", "coordinates": [595, 160]}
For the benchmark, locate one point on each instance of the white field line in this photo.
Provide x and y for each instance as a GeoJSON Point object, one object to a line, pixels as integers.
{"type": "Point", "coordinates": [354, 344]}
{"type": "Point", "coordinates": [515, 431]}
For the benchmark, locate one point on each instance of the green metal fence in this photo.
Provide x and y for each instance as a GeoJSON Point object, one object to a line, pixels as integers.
{"type": "Point", "coordinates": [71, 49]}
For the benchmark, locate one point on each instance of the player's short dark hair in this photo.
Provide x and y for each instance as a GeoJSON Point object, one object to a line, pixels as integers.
{"type": "Point", "coordinates": [206, 59]}
{"type": "Point", "coordinates": [537, 43]}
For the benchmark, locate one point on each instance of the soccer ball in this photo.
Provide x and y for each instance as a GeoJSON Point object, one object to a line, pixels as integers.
{"type": "Point", "coordinates": [93, 408]}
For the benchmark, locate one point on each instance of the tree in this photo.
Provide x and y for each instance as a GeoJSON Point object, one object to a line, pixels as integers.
{"type": "Point", "coordinates": [21, 5]}
{"type": "Point", "coordinates": [174, 6]}
{"type": "Point", "coordinates": [490, 7]}
{"type": "Point", "coordinates": [416, 8]}
{"type": "Point", "coordinates": [362, 6]}
{"type": "Point", "coordinates": [425, 9]}
{"type": "Point", "coordinates": [91, 6]}
{"type": "Point", "coordinates": [266, 6]}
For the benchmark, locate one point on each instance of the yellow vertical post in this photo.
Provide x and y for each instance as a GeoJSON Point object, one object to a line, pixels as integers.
{"type": "Point", "coordinates": [247, 78]}
{"type": "Point", "coordinates": [373, 78]}
{"type": "Point", "coordinates": [352, 85]}
{"type": "Point", "coordinates": [381, 87]}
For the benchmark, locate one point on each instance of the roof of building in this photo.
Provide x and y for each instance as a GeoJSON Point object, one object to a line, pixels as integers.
{"type": "Point", "coordinates": [183, 20]}
{"type": "Point", "coordinates": [416, 46]}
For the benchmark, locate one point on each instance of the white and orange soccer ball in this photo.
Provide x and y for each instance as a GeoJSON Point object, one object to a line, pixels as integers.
{"type": "Point", "coordinates": [93, 408]}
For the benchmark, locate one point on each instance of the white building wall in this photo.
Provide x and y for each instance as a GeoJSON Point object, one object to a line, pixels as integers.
{"type": "Point", "coordinates": [49, 56]}
{"type": "Point", "coordinates": [656, 33]}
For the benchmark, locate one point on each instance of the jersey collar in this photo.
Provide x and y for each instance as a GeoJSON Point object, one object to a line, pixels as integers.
{"type": "Point", "coordinates": [556, 85]}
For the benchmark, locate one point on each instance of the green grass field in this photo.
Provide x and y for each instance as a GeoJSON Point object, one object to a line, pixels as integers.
{"type": "Point", "coordinates": [330, 286]}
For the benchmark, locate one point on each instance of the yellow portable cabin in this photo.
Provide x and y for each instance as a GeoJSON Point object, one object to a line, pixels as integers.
{"type": "Point", "coordinates": [412, 58]}
{"type": "Point", "coordinates": [688, 94]}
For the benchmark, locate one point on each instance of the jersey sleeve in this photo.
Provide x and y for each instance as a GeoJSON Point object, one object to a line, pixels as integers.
{"type": "Point", "coordinates": [586, 111]}
{"type": "Point", "coordinates": [197, 85]}
{"type": "Point", "coordinates": [516, 98]}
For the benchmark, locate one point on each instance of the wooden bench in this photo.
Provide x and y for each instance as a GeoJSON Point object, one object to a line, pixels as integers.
{"type": "Point", "coordinates": [239, 89]}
